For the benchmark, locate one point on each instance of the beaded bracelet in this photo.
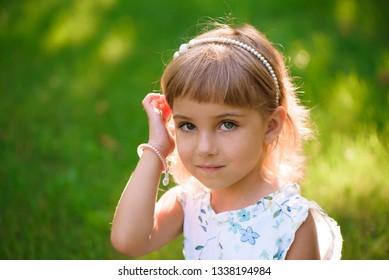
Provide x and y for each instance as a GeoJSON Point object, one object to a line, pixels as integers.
{"type": "Point", "coordinates": [140, 150]}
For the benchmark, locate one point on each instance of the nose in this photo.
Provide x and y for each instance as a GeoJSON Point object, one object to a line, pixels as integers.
{"type": "Point", "coordinates": [206, 145]}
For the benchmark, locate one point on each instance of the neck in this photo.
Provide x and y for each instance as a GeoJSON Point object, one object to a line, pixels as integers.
{"type": "Point", "coordinates": [241, 195]}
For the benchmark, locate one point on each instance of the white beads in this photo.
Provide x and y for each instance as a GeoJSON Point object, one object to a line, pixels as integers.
{"type": "Point", "coordinates": [223, 40]}
{"type": "Point", "coordinates": [183, 47]}
{"type": "Point", "coordinates": [140, 149]}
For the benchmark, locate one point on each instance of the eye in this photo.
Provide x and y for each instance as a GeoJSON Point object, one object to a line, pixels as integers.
{"type": "Point", "coordinates": [227, 125]}
{"type": "Point", "coordinates": [187, 126]}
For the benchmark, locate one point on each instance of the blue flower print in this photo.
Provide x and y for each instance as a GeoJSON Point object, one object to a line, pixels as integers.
{"type": "Point", "coordinates": [248, 235]}
{"type": "Point", "coordinates": [235, 227]}
{"type": "Point", "coordinates": [243, 215]}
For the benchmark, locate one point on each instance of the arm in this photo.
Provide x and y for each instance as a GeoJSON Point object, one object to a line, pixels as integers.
{"type": "Point", "coordinates": [305, 245]}
{"type": "Point", "coordinates": [139, 226]}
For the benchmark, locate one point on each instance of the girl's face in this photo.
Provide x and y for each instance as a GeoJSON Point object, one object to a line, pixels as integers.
{"type": "Point", "coordinates": [220, 145]}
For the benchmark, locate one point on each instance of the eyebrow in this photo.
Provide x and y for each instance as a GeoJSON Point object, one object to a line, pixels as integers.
{"type": "Point", "coordinates": [221, 116]}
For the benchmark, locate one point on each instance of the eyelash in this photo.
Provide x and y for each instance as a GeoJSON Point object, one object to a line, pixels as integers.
{"type": "Point", "coordinates": [234, 124]}
{"type": "Point", "coordinates": [184, 125]}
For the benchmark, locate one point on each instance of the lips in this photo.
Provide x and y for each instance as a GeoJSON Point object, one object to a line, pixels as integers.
{"type": "Point", "coordinates": [210, 168]}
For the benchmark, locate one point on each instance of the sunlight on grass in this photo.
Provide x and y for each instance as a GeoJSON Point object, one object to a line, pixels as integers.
{"type": "Point", "coordinates": [302, 59]}
{"type": "Point", "coordinates": [347, 179]}
{"type": "Point", "coordinates": [349, 92]}
{"type": "Point", "coordinates": [73, 27]}
{"type": "Point", "coordinates": [76, 25]}
{"type": "Point", "coordinates": [346, 166]}
{"type": "Point", "coordinates": [119, 42]}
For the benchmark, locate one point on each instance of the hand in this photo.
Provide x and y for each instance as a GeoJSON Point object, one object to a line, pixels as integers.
{"type": "Point", "coordinates": [158, 113]}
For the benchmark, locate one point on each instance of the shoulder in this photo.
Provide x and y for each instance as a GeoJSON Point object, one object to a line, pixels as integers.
{"type": "Point", "coordinates": [311, 232]}
{"type": "Point", "coordinates": [305, 244]}
{"type": "Point", "coordinates": [297, 224]}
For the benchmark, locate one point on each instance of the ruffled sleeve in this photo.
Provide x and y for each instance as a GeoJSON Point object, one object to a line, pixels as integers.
{"type": "Point", "coordinates": [329, 235]}
{"type": "Point", "coordinates": [296, 208]}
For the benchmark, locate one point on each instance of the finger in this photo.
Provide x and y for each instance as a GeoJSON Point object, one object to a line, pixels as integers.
{"type": "Point", "coordinates": [151, 96]}
{"type": "Point", "coordinates": [151, 105]}
{"type": "Point", "coordinates": [159, 106]}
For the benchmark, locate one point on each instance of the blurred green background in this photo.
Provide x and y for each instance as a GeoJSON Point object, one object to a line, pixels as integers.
{"type": "Point", "coordinates": [72, 77]}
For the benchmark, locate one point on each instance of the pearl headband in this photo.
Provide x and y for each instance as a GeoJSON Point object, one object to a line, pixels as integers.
{"type": "Point", "coordinates": [224, 40]}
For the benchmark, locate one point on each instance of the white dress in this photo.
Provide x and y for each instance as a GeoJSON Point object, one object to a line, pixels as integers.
{"type": "Point", "coordinates": [264, 230]}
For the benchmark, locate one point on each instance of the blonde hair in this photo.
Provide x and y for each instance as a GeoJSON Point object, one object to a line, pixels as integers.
{"type": "Point", "coordinates": [224, 73]}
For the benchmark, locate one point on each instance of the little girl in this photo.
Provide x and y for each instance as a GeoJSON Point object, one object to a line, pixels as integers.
{"type": "Point", "coordinates": [235, 150]}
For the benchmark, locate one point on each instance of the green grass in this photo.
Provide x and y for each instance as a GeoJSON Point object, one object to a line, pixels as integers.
{"type": "Point", "coordinates": [72, 77]}
{"type": "Point", "coordinates": [349, 180]}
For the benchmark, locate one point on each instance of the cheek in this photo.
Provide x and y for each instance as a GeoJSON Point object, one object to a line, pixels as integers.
{"type": "Point", "coordinates": [247, 152]}
{"type": "Point", "coordinates": [183, 148]}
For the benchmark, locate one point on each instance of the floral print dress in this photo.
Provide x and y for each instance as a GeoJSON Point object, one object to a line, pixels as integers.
{"type": "Point", "coordinates": [264, 230]}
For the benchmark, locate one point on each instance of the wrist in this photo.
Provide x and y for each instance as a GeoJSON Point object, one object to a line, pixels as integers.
{"type": "Point", "coordinates": [162, 158]}
{"type": "Point", "coordinates": [163, 150]}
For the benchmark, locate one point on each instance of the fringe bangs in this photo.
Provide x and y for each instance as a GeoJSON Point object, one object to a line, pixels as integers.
{"type": "Point", "coordinates": [214, 74]}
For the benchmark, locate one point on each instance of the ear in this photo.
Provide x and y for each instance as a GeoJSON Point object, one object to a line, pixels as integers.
{"type": "Point", "coordinates": [171, 128]}
{"type": "Point", "coordinates": [275, 124]}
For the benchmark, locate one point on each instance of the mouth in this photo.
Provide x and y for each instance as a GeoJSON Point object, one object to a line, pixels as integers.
{"type": "Point", "coordinates": [209, 168]}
